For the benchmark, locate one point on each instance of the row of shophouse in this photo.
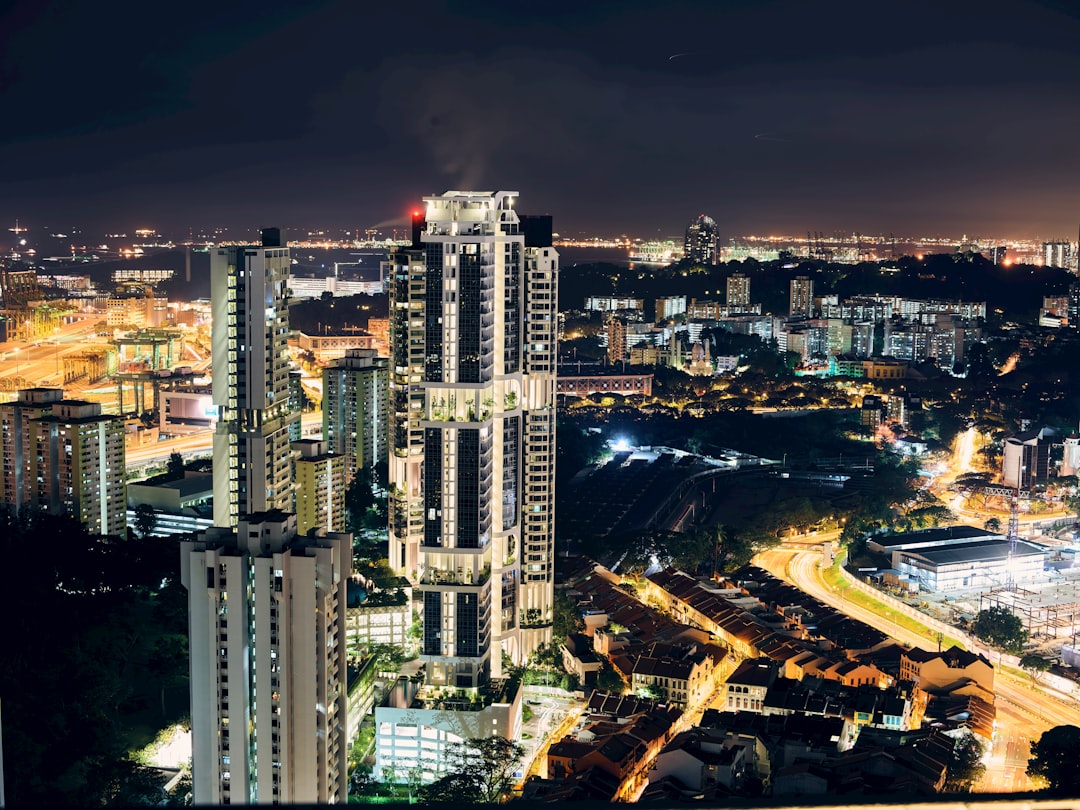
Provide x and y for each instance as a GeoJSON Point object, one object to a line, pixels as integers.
{"type": "Point", "coordinates": [758, 688]}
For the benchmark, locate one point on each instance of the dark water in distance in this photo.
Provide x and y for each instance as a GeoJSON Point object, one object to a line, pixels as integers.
{"type": "Point", "coordinates": [581, 255]}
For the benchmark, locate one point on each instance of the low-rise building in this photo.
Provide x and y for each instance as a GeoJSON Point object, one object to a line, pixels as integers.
{"type": "Point", "coordinates": [746, 687]}
{"type": "Point", "coordinates": [180, 506]}
{"type": "Point", "coordinates": [683, 675]}
{"type": "Point", "coordinates": [379, 613]}
{"type": "Point", "coordinates": [417, 726]}
{"type": "Point", "coordinates": [579, 659]}
{"type": "Point", "coordinates": [702, 759]}
{"type": "Point", "coordinates": [944, 672]}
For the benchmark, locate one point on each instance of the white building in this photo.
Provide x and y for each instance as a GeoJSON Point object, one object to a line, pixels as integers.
{"type": "Point", "coordinates": [314, 287]}
{"type": "Point", "coordinates": [382, 619]}
{"type": "Point", "coordinates": [473, 312]}
{"type": "Point", "coordinates": [960, 558]}
{"type": "Point", "coordinates": [418, 727]}
{"type": "Point", "coordinates": [670, 306]}
{"type": "Point", "coordinates": [190, 411]}
{"type": "Point", "coordinates": [473, 437]}
{"type": "Point", "coordinates": [268, 663]}
{"type": "Point", "coordinates": [252, 459]}
{"type": "Point", "coordinates": [611, 303]}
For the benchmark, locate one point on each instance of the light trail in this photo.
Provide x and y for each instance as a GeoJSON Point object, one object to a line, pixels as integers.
{"type": "Point", "coordinates": [1024, 710]}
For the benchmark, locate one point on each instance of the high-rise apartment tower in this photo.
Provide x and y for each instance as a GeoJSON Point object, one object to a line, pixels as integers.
{"type": "Point", "coordinates": [18, 442]}
{"type": "Point", "coordinates": [473, 333]}
{"type": "Point", "coordinates": [266, 613]}
{"type": "Point", "coordinates": [355, 409]}
{"type": "Point", "coordinates": [249, 304]}
{"type": "Point", "coordinates": [738, 292]}
{"type": "Point", "coordinates": [802, 297]}
{"type": "Point", "coordinates": [320, 487]}
{"type": "Point", "coordinates": [65, 457]}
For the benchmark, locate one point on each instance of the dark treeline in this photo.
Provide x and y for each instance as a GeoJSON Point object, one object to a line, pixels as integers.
{"type": "Point", "coordinates": [93, 660]}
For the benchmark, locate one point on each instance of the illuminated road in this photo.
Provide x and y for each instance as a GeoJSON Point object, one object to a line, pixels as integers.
{"type": "Point", "coordinates": [1024, 711]}
{"type": "Point", "coordinates": [963, 453]}
{"type": "Point", "coordinates": [41, 362]}
{"type": "Point", "coordinates": [961, 463]}
{"type": "Point", "coordinates": [1010, 364]}
{"type": "Point", "coordinates": [200, 443]}
{"type": "Point", "coordinates": [196, 443]}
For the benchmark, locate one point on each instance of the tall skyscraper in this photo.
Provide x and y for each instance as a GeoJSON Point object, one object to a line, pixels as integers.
{"type": "Point", "coordinates": [700, 244]}
{"type": "Point", "coordinates": [252, 459]}
{"type": "Point", "coordinates": [18, 442]}
{"type": "Point", "coordinates": [802, 297]}
{"type": "Point", "coordinates": [473, 319]}
{"type": "Point", "coordinates": [355, 409]}
{"type": "Point", "coordinates": [76, 465]}
{"type": "Point", "coordinates": [267, 629]}
{"type": "Point", "coordinates": [738, 292]}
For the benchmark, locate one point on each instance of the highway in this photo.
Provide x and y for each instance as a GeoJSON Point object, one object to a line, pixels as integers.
{"type": "Point", "coordinates": [139, 455]}
{"type": "Point", "coordinates": [201, 443]}
{"type": "Point", "coordinates": [1024, 711]}
{"type": "Point", "coordinates": [41, 362]}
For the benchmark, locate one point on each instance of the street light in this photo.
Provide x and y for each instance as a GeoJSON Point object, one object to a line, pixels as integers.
{"type": "Point", "coordinates": [56, 347]}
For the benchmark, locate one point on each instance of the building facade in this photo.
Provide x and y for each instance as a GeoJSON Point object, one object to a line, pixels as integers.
{"type": "Point", "coordinates": [615, 330]}
{"type": "Point", "coordinates": [320, 487]}
{"type": "Point", "coordinates": [267, 631]}
{"type": "Point", "coordinates": [355, 408]}
{"type": "Point", "coordinates": [1026, 459]}
{"type": "Point", "coordinates": [670, 306]}
{"type": "Point", "coordinates": [700, 244]}
{"type": "Point", "coordinates": [252, 458]}
{"type": "Point", "coordinates": [738, 292]}
{"type": "Point", "coordinates": [77, 466]}
{"type": "Point", "coordinates": [18, 443]}
{"type": "Point", "coordinates": [472, 387]}
{"type": "Point", "coordinates": [802, 297]}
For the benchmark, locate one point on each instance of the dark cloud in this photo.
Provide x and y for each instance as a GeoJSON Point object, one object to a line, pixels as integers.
{"type": "Point", "coordinates": [614, 116]}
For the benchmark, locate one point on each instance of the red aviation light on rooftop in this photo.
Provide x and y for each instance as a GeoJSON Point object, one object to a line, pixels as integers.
{"type": "Point", "coordinates": [418, 223]}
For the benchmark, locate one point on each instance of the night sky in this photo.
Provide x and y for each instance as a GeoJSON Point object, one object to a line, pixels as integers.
{"type": "Point", "coordinates": [630, 117]}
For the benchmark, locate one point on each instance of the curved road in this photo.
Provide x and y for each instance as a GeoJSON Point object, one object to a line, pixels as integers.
{"type": "Point", "coordinates": [1024, 711]}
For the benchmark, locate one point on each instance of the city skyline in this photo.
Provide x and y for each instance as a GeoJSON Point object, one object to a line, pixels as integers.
{"type": "Point", "coordinates": [784, 113]}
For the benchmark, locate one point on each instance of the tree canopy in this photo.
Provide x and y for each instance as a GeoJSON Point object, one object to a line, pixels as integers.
{"type": "Point", "coordinates": [1054, 757]}
{"type": "Point", "coordinates": [965, 768]}
{"type": "Point", "coordinates": [94, 660]}
{"type": "Point", "coordinates": [1033, 664]}
{"type": "Point", "coordinates": [1000, 627]}
{"type": "Point", "coordinates": [481, 772]}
